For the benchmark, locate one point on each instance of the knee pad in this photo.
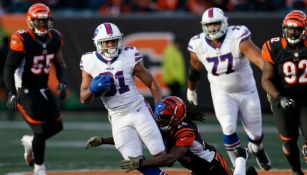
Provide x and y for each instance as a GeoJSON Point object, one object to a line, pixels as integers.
{"type": "Point", "coordinates": [258, 141]}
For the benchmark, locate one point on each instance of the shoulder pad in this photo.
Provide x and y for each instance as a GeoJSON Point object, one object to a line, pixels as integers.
{"type": "Point", "coordinates": [241, 32]}
{"type": "Point", "coordinates": [16, 42]}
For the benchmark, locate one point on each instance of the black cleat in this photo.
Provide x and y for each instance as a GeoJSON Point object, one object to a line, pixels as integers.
{"type": "Point", "coordinates": [262, 158]}
{"type": "Point", "coordinates": [300, 172]}
{"type": "Point", "coordinates": [242, 152]}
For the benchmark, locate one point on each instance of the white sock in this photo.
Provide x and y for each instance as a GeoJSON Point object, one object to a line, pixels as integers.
{"type": "Point", "coordinates": [232, 157]}
{"type": "Point", "coordinates": [240, 166]}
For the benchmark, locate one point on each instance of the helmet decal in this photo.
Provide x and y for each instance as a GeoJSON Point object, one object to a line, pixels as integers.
{"type": "Point", "coordinates": [108, 28]}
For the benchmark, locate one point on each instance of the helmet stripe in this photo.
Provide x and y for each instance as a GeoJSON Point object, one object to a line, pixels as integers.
{"type": "Point", "coordinates": [210, 13]}
{"type": "Point", "coordinates": [108, 28]}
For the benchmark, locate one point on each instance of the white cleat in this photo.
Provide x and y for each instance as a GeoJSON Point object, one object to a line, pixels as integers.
{"type": "Point", "coordinates": [39, 170]}
{"type": "Point", "coordinates": [26, 141]}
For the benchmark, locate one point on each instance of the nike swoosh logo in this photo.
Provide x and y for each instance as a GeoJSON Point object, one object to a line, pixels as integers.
{"type": "Point", "coordinates": [138, 109]}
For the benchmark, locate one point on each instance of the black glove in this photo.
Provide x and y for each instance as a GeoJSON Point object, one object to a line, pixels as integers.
{"type": "Point", "coordinates": [62, 88]}
{"type": "Point", "coordinates": [286, 103]}
{"type": "Point", "coordinates": [12, 102]}
{"type": "Point", "coordinates": [194, 113]}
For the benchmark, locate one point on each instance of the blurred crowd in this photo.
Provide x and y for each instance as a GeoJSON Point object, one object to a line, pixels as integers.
{"type": "Point", "coordinates": [119, 7]}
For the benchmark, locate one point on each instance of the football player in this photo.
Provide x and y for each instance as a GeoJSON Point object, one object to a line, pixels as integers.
{"type": "Point", "coordinates": [226, 52]}
{"type": "Point", "coordinates": [184, 144]}
{"type": "Point", "coordinates": [109, 73]}
{"type": "Point", "coordinates": [284, 77]}
{"type": "Point", "coordinates": [26, 72]}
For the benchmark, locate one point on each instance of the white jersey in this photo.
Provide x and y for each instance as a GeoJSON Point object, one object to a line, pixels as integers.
{"type": "Point", "coordinates": [227, 67]}
{"type": "Point", "coordinates": [123, 95]}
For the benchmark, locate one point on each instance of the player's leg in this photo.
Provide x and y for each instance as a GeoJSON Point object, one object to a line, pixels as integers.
{"type": "Point", "coordinates": [150, 134]}
{"type": "Point", "coordinates": [41, 112]}
{"type": "Point", "coordinates": [219, 166]}
{"type": "Point", "coordinates": [128, 141]}
{"type": "Point", "coordinates": [226, 111]}
{"type": "Point", "coordinates": [54, 123]}
{"type": "Point", "coordinates": [251, 118]}
{"type": "Point", "coordinates": [288, 127]}
{"type": "Point", "coordinates": [148, 130]}
{"type": "Point", "coordinates": [32, 108]}
{"type": "Point", "coordinates": [242, 155]}
{"type": "Point", "coordinates": [303, 126]}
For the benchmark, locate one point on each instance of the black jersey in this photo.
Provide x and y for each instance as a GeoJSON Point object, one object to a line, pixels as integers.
{"type": "Point", "coordinates": [199, 155]}
{"type": "Point", "coordinates": [290, 66]}
{"type": "Point", "coordinates": [34, 56]}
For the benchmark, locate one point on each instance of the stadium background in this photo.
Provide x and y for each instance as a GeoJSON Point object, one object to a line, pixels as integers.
{"type": "Point", "coordinates": [150, 33]}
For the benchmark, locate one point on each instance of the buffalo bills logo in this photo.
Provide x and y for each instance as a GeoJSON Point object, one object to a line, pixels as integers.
{"type": "Point", "coordinates": [96, 32]}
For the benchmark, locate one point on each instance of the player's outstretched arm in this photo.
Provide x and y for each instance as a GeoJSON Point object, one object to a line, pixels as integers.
{"type": "Point", "coordinates": [158, 161]}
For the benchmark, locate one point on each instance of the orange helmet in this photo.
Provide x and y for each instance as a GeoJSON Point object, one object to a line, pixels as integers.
{"type": "Point", "coordinates": [172, 114]}
{"type": "Point", "coordinates": [39, 18]}
{"type": "Point", "coordinates": [294, 26]}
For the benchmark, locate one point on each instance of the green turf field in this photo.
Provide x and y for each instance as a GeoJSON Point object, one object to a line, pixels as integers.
{"type": "Point", "coordinates": [66, 150]}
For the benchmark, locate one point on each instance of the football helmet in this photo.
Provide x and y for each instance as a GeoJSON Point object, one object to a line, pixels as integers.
{"type": "Point", "coordinates": [294, 26]}
{"type": "Point", "coordinates": [214, 15]}
{"type": "Point", "coordinates": [106, 32]}
{"type": "Point", "coordinates": [39, 19]}
{"type": "Point", "coordinates": [173, 113]}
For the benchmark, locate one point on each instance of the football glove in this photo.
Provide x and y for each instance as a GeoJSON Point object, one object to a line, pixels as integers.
{"type": "Point", "coordinates": [194, 113]}
{"type": "Point", "coordinates": [93, 142]}
{"type": "Point", "coordinates": [131, 164]}
{"type": "Point", "coordinates": [286, 103]}
{"type": "Point", "coordinates": [192, 96]}
{"type": "Point", "coordinates": [100, 83]}
{"type": "Point", "coordinates": [62, 88]}
{"type": "Point", "coordinates": [158, 109]}
{"type": "Point", "coordinates": [12, 102]}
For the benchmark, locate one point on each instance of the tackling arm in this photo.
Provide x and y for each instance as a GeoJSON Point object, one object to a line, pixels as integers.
{"type": "Point", "coordinates": [165, 159]}
{"type": "Point", "coordinates": [161, 160]}
{"type": "Point", "coordinates": [85, 95]}
{"type": "Point", "coordinates": [147, 78]}
{"type": "Point", "coordinates": [252, 52]}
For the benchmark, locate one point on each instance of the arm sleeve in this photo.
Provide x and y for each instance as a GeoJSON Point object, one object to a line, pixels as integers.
{"type": "Point", "coordinates": [13, 60]}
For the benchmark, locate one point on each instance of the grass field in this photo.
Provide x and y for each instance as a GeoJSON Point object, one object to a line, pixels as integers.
{"type": "Point", "coordinates": [66, 150]}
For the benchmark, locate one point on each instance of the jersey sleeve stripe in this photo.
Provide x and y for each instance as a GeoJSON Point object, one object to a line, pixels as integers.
{"type": "Point", "coordinates": [137, 59]}
{"type": "Point", "coordinates": [265, 53]}
{"type": "Point", "coordinates": [245, 36]}
{"type": "Point", "coordinates": [190, 48]}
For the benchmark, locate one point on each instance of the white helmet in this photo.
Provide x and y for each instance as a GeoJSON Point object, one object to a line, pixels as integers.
{"type": "Point", "coordinates": [105, 32]}
{"type": "Point", "coordinates": [213, 15]}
